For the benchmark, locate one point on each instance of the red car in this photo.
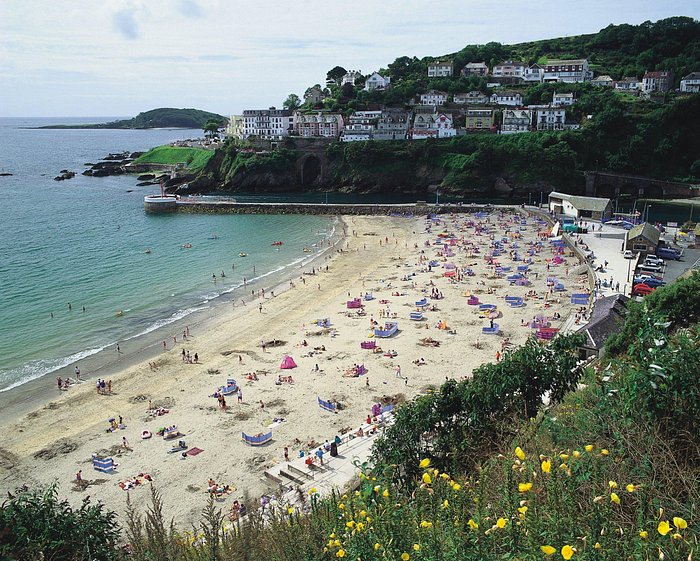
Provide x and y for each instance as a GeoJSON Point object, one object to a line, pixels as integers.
{"type": "Point", "coordinates": [642, 289]}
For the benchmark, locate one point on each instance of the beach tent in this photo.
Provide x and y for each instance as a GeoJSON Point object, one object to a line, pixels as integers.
{"type": "Point", "coordinates": [288, 362]}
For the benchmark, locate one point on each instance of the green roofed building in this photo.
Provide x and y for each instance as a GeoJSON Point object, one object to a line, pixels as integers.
{"type": "Point", "coordinates": [580, 207]}
{"type": "Point", "coordinates": [643, 238]}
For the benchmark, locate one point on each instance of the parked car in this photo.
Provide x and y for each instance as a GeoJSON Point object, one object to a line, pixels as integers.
{"type": "Point", "coordinates": [668, 253]}
{"type": "Point", "coordinates": [628, 254]}
{"type": "Point", "coordinates": [654, 283]}
{"type": "Point", "coordinates": [653, 260]}
{"type": "Point", "coordinates": [648, 268]}
{"type": "Point", "coordinates": [645, 276]}
{"type": "Point", "coordinates": [642, 289]}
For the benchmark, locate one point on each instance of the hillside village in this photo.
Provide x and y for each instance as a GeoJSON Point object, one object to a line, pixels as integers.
{"type": "Point", "coordinates": [497, 107]}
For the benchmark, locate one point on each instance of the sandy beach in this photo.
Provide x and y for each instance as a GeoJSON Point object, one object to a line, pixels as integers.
{"type": "Point", "coordinates": [387, 257]}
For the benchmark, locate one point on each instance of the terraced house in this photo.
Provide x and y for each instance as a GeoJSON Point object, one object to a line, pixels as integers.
{"type": "Point", "coordinates": [440, 69]}
{"type": "Point", "coordinates": [478, 119]}
{"type": "Point", "coordinates": [516, 121]}
{"type": "Point", "coordinates": [568, 71]}
{"type": "Point", "coordinates": [327, 125]}
{"type": "Point", "coordinates": [267, 123]}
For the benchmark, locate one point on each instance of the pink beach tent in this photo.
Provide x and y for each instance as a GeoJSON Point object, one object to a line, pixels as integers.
{"type": "Point", "coordinates": [288, 362]}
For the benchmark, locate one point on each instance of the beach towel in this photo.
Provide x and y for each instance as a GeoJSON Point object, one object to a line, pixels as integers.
{"type": "Point", "coordinates": [194, 451]}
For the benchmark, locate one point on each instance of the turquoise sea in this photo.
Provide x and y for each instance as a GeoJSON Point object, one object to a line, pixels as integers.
{"type": "Point", "coordinates": [83, 241]}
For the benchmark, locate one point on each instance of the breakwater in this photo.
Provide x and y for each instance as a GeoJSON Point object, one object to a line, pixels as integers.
{"type": "Point", "coordinates": [420, 208]}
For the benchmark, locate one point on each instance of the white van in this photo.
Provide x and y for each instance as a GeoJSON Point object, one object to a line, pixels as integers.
{"type": "Point", "coordinates": [649, 268]}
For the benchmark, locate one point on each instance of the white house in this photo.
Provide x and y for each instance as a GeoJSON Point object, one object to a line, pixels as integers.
{"type": "Point", "coordinates": [604, 81]}
{"type": "Point", "coordinates": [443, 124]}
{"type": "Point", "coordinates": [551, 118]}
{"type": "Point", "coordinates": [568, 71]}
{"type": "Point", "coordinates": [377, 82]}
{"type": "Point", "coordinates": [507, 98]}
{"type": "Point", "coordinates": [423, 127]}
{"type": "Point", "coordinates": [235, 127]}
{"type": "Point", "coordinates": [433, 97]}
{"type": "Point", "coordinates": [267, 123]}
{"type": "Point", "coordinates": [516, 121]}
{"type": "Point", "coordinates": [361, 125]}
{"type": "Point", "coordinates": [563, 99]}
{"type": "Point", "coordinates": [691, 82]}
{"type": "Point", "coordinates": [534, 73]}
{"type": "Point", "coordinates": [440, 69]}
{"type": "Point", "coordinates": [509, 69]}
{"type": "Point", "coordinates": [471, 98]}
{"type": "Point", "coordinates": [628, 84]}
{"type": "Point", "coordinates": [349, 77]}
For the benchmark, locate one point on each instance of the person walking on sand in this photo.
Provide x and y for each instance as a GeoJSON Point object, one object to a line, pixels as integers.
{"type": "Point", "coordinates": [59, 382]}
{"type": "Point", "coordinates": [125, 443]}
{"type": "Point", "coordinates": [109, 386]}
{"type": "Point", "coordinates": [79, 479]}
{"type": "Point", "coordinates": [239, 395]}
{"type": "Point", "coordinates": [286, 454]}
{"type": "Point", "coordinates": [398, 371]}
{"type": "Point", "coordinates": [77, 373]}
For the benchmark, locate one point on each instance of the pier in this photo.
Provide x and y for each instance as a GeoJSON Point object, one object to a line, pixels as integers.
{"type": "Point", "coordinates": [207, 205]}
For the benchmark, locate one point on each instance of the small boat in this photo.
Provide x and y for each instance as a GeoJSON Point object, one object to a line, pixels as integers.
{"type": "Point", "coordinates": [187, 245]}
{"type": "Point", "coordinates": [307, 250]}
{"type": "Point", "coordinates": [119, 314]}
{"type": "Point", "coordinates": [277, 243]}
{"type": "Point", "coordinates": [241, 254]}
{"type": "Point", "coordinates": [148, 250]}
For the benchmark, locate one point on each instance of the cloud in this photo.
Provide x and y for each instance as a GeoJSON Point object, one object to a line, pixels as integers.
{"type": "Point", "coordinates": [125, 23]}
{"type": "Point", "coordinates": [189, 9]}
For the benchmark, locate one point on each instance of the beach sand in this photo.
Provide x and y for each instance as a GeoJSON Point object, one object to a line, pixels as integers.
{"type": "Point", "coordinates": [57, 439]}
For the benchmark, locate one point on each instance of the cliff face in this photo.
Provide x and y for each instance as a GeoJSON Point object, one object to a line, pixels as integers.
{"type": "Point", "coordinates": [457, 167]}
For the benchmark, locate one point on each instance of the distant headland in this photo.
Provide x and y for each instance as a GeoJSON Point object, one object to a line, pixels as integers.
{"type": "Point", "coordinates": [164, 117]}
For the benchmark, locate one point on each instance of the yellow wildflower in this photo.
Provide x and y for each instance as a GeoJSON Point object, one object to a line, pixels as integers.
{"type": "Point", "coordinates": [604, 452]}
{"type": "Point", "coordinates": [350, 524]}
{"type": "Point", "coordinates": [522, 510]}
{"type": "Point", "coordinates": [663, 528]}
{"type": "Point", "coordinates": [426, 524]}
{"type": "Point", "coordinates": [630, 488]}
{"type": "Point", "coordinates": [313, 491]}
{"type": "Point", "coordinates": [290, 510]}
{"type": "Point", "coordinates": [588, 447]}
{"type": "Point", "coordinates": [576, 454]}
{"type": "Point", "coordinates": [597, 545]}
{"type": "Point", "coordinates": [333, 535]}
{"type": "Point", "coordinates": [614, 498]}
{"type": "Point", "coordinates": [360, 526]}
{"type": "Point", "coordinates": [363, 513]}
{"type": "Point", "coordinates": [341, 506]}
{"type": "Point", "coordinates": [405, 556]}
{"type": "Point", "coordinates": [445, 503]}
{"type": "Point", "coordinates": [612, 484]}
{"type": "Point", "coordinates": [385, 493]}
{"type": "Point", "coordinates": [456, 486]}
{"type": "Point", "coordinates": [427, 479]}
{"type": "Point", "coordinates": [567, 552]}
{"type": "Point", "coordinates": [519, 453]}
{"type": "Point", "coordinates": [677, 536]}
{"type": "Point", "coordinates": [444, 476]}
{"type": "Point", "coordinates": [679, 523]}
{"type": "Point", "coordinates": [524, 487]}
{"type": "Point", "coordinates": [564, 456]}
{"type": "Point", "coordinates": [424, 463]}
{"type": "Point", "coordinates": [369, 520]}
{"type": "Point", "coordinates": [643, 534]}
{"type": "Point", "coordinates": [546, 466]}
{"type": "Point", "coordinates": [376, 488]}
{"type": "Point", "coordinates": [377, 546]}
{"type": "Point", "coordinates": [473, 525]}
{"type": "Point", "coordinates": [336, 543]}
{"type": "Point", "coordinates": [501, 522]}
{"type": "Point", "coordinates": [416, 547]}
{"type": "Point", "coordinates": [340, 553]}
{"type": "Point", "coordinates": [547, 549]}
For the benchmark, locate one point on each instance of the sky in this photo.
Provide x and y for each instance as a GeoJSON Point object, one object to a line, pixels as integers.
{"type": "Point", "coordinates": [120, 57]}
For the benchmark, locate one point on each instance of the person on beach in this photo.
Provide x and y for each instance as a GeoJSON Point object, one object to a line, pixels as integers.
{"type": "Point", "coordinates": [59, 382]}
{"type": "Point", "coordinates": [165, 346]}
{"type": "Point", "coordinates": [260, 308]}
{"type": "Point", "coordinates": [125, 443]}
{"type": "Point", "coordinates": [77, 373]}
{"type": "Point", "coordinates": [286, 454]}
{"type": "Point", "coordinates": [398, 371]}
{"type": "Point", "coordinates": [239, 395]}
{"type": "Point", "coordinates": [79, 479]}
{"type": "Point", "coordinates": [109, 386]}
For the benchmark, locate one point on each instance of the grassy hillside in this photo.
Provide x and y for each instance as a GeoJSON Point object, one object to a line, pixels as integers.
{"type": "Point", "coordinates": [164, 117]}
{"type": "Point", "coordinates": [195, 158]}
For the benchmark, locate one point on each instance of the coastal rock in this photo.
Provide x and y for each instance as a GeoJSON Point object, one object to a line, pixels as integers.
{"type": "Point", "coordinates": [5, 174]}
{"type": "Point", "coordinates": [65, 174]}
{"type": "Point", "coordinates": [146, 177]}
{"type": "Point", "coordinates": [501, 187]}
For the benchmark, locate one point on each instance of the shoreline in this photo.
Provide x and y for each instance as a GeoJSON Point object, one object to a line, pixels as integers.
{"type": "Point", "coordinates": [380, 255]}
{"type": "Point", "coordinates": [15, 401]}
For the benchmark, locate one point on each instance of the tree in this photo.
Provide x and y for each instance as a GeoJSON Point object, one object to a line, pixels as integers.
{"type": "Point", "coordinates": [292, 102]}
{"type": "Point", "coordinates": [335, 74]}
{"type": "Point", "coordinates": [211, 128]}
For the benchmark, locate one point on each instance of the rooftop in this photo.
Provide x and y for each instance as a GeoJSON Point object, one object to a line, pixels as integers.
{"type": "Point", "coordinates": [607, 318]}
{"type": "Point", "coordinates": [647, 231]}
{"type": "Point", "coordinates": [594, 204]}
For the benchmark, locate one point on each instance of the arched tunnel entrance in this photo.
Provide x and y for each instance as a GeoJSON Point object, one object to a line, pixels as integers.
{"type": "Point", "coordinates": [310, 170]}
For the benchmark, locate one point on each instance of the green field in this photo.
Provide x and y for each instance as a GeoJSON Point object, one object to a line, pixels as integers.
{"type": "Point", "coordinates": [194, 158]}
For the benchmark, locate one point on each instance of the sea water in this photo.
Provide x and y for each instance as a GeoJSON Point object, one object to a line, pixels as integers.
{"type": "Point", "coordinates": [87, 242]}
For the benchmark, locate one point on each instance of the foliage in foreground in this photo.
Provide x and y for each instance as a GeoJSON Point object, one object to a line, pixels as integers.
{"type": "Point", "coordinates": [37, 525]}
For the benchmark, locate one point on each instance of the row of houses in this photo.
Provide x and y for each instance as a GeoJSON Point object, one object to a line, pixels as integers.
{"type": "Point", "coordinates": [567, 71]}
{"type": "Point", "coordinates": [503, 97]}
{"type": "Point", "coordinates": [423, 121]}
{"type": "Point", "coordinates": [655, 81]}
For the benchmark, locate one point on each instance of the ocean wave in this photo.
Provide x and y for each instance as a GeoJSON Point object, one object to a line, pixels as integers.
{"type": "Point", "coordinates": [175, 316]}
{"type": "Point", "coordinates": [41, 367]}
